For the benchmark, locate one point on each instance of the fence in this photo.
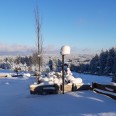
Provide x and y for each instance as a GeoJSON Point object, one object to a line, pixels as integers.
{"type": "Point", "coordinates": [108, 90]}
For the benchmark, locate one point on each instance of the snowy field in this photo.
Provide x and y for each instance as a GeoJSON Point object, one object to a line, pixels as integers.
{"type": "Point", "coordinates": [15, 100]}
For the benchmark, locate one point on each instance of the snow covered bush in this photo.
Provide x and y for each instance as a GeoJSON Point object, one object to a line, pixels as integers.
{"type": "Point", "coordinates": [74, 80]}
{"type": "Point", "coordinates": [56, 78]}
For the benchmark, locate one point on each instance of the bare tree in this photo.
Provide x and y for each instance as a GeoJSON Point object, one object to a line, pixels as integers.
{"type": "Point", "coordinates": [38, 54]}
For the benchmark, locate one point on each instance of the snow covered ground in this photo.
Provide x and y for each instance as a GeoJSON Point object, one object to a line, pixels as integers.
{"type": "Point", "coordinates": [15, 100]}
{"type": "Point", "coordinates": [88, 79]}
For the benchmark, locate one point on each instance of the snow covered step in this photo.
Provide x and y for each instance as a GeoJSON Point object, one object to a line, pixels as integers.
{"type": "Point", "coordinates": [44, 89]}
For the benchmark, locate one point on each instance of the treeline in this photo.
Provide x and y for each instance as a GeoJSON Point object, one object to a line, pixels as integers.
{"type": "Point", "coordinates": [9, 62]}
{"type": "Point", "coordinates": [27, 60]}
{"type": "Point", "coordinates": [24, 60]}
{"type": "Point", "coordinates": [103, 64]}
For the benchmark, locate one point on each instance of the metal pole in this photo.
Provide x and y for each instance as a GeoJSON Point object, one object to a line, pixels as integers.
{"type": "Point", "coordinates": [63, 74]}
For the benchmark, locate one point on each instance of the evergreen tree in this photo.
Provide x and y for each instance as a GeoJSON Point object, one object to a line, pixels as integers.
{"type": "Point", "coordinates": [110, 61]}
{"type": "Point", "coordinates": [82, 68]}
{"type": "Point", "coordinates": [55, 64]}
{"type": "Point", "coordinates": [59, 62]}
{"type": "Point", "coordinates": [22, 60]}
{"type": "Point", "coordinates": [75, 68]}
{"type": "Point", "coordinates": [30, 60]}
{"type": "Point", "coordinates": [50, 63]}
{"type": "Point", "coordinates": [114, 65]}
{"type": "Point", "coordinates": [102, 61]}
{"type": "Point", "coordinates": [104, 64]}
{"type": "Point", "coordinates": [87, 68]}
{"type": "Point", "coordinates": [59, 65]}
{"type": "Point", "coordinates": [18, 60]}
{"type": "Point", "coordinates": [94, 65]}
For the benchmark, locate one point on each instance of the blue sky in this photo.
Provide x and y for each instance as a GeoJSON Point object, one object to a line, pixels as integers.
{"type": "Point", "coordinates": [85, 25]}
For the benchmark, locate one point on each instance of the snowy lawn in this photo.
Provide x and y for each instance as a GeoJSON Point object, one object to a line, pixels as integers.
{"type": "Point", "coordinates": [87, 78]}
{"type": "Point", "coordinates": [15, 100]}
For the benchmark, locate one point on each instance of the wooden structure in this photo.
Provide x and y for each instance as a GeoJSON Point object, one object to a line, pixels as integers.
{"type": "Point", "coordinates": [108, 90]}
{"type": "Point", "coordinates": [75, 87]}
{"type": "Point", "coordinates": [55, 89]}
{"type": "Point", "coordinates": [44, 89]}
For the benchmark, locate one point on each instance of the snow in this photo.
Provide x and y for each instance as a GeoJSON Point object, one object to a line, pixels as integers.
{"type": "Point", "coordinates": [112, 83]}
{"type": "Point", "coordinates": [16, 100]}
{"type": "Point", "coordinates": [88, 79]}
{"type": "Point", "coordinates": [26, 74]}
{"type": "Point", "coordinates": [108, 92]}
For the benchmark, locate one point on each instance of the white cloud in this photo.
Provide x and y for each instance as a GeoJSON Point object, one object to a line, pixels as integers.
{"type": "Point", "coordinates": [51, 49]}
{"type": "Point", "coordinates": [6, 49]}
{"type": "Point", "coordinates": [84, 50]}
{"type": "Point", "coordinates": [14, 49]}
{"type": "Point", "coordinates": [17, 49]}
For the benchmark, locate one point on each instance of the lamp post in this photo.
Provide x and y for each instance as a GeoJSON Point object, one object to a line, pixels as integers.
{"type": "Point", "coordinates": [65, 50]}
